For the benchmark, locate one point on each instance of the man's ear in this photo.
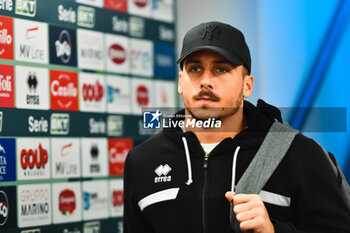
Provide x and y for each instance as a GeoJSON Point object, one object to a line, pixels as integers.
{"type": "Point", "coordinates": [248, 85]}
{"type": "Point", "coordinates": [179, 85]}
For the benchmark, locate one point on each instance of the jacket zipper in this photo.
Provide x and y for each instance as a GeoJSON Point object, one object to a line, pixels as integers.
{"type": "Point", "coordinates": [204, 216]}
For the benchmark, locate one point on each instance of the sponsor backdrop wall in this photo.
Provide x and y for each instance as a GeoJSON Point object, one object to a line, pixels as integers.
{"type": "Point", "coordinates": [74, 76]}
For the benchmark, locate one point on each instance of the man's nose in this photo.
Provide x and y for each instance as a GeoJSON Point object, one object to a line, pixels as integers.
{"type": "Point", "coordinates": [206, 81]}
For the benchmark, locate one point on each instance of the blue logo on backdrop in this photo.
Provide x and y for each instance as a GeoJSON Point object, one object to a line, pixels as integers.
{"type": "Point", "coordinates": [7, 160]}
{"type": "Point", "coordinates": [164, 63]}
{"type": "Point", "coordinates": [151, 120]}
{"type": "Point", "coordinates": [86, 200]}
{"type": "Point", "coordinates": [63, 46]}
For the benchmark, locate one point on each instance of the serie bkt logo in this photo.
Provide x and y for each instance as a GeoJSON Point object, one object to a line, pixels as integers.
{"type": "Point", "coordinates": [26, 7]}
{"type": "Point", "coordinates": [59, 123]}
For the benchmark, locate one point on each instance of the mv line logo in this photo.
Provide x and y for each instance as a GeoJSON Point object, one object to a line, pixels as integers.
{"type": "Point", "coordinates": [162, 171]}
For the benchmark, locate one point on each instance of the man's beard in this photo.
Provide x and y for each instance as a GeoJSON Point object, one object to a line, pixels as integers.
{"type": "Point", "coordinates": [219, 113]}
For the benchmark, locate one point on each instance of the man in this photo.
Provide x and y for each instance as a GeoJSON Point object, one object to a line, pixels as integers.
{"type": "Point", "coordinates": [177, 181]}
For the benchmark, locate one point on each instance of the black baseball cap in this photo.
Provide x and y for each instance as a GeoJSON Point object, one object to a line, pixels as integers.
{"type": "Point", "coordinates": [221, 38]}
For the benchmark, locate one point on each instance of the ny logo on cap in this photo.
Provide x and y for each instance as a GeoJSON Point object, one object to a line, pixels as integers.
{"type": "Point", "coordinates": [211, 31]}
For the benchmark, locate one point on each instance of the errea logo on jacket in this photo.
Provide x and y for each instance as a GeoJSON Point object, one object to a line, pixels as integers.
{"type": "Point", "coordinates": [162, 172]}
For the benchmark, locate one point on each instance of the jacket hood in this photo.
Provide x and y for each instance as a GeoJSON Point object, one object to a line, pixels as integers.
{"type": "Point", "coordinates": [259, 119]}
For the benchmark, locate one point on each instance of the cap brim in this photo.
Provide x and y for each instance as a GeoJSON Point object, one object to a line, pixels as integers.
{"type": "Point", "coordinates": [229, 56]}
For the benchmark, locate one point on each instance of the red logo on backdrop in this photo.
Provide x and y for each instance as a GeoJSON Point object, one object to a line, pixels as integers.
{"type": "Point", "coordinates": [117, 197]}
{"type": "Point", "coordinates": [31, 158]}
{"type": "Point", "coordinates": [6, 38]}
{"type": "Point", "coordinates": [92, 92]}
{"type": "Point", "coordinates": [117, 54]}
{"type": "Point", "coordinates": [118, 149]}
{"type": "Point", "coordinates": [7, 86]}
{"type": "Point", "coordinates": [66, 202]}
{"type": "Point", "coordinates": [142, 95]}
{"type": "Point", "coordinates": [64, 90]}
{"type": "Point", "coordinates": [119, 5]}
{"type": "Point", "coordinates": [140, 3]}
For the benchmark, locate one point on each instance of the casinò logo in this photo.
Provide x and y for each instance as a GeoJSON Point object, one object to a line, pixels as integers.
{"type": "Point", "coordinates": [26, 7]}
{"type": "Point", "coordinates": [117, 54]}
{"type": "Point", "coordinates": [59, 124]}
{"type": "Point", "coordinates": [64, 46]}
{"type": "Point", "coordinates": [64, 90]}
{"type": "Point", "coordinates": [4, 208]}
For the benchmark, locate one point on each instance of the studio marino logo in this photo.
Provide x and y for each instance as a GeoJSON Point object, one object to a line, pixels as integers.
{"type": "Point", "coordinates": [157, 120]}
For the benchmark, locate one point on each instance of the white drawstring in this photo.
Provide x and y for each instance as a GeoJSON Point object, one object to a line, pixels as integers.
{"type": "Point", "coordinates": [188, 160]}
{"type": "Point", "coordinates": [234, 168]}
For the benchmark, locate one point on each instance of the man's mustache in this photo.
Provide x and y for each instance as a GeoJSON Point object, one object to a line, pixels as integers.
{"type": "Point", "coordinates": [209, 94]}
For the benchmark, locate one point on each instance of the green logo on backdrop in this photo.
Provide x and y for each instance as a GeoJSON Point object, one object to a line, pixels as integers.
{"type": "Point", "coordinates": [86, 16]}
{"type": "Point", "coordinates": [137, 27]}
{"type": "Point", "coordinates": [92, 227]}
{"type": "Point", "coordinates": [59, 124]}
{"type": "Point", "coordinates": [115, 125]}
{"type": "Point", "coordinates": [26, 7]}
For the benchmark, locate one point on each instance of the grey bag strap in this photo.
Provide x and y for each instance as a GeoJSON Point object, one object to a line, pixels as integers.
{"type": "Point", "coordinates": [338, 172]}
{"type": "Point", "coordinates": [271, 152]}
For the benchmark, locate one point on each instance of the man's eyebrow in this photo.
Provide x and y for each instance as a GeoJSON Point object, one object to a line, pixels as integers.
{"type": "Point", "coordinates": [222, 62]}
{"type": "Point", "coordinates": [192, 61]}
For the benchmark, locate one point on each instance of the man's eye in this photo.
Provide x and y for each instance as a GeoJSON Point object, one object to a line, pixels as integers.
{"type": "Point", "coordinates": [195, 69]}
{"type": "Point", "coordinates": [222, 70]}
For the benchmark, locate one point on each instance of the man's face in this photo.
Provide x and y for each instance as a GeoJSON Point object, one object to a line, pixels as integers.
{"type": "Point", "coordinates": [212, 87]}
